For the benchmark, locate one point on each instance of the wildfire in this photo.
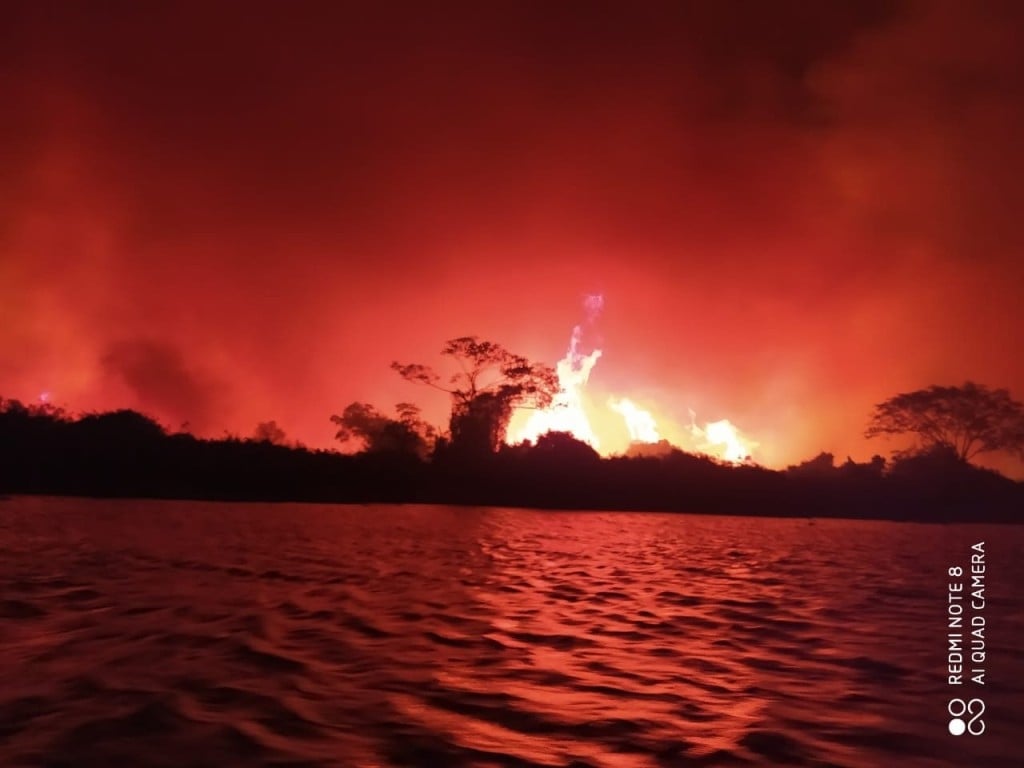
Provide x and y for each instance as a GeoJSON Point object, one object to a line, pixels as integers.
{"type": "Point", "coordinates": [566, 413]}
{"type": "Point", "coordinates": [640, 423]}
{"type": "Point", "coordinates": [723, 439]}
{"type": "Point", "coordinates": [569, 412]}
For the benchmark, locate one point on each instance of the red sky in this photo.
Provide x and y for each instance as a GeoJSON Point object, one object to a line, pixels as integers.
{"type": "Point", "coordinates": [223, 215]}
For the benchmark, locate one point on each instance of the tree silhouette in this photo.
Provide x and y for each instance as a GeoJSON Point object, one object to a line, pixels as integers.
{"type": "Point", "coordinates": [269, 432]}
{"type": "Point", "coordinates": [564, 447]}
{"type": "Point", "coordinates": [968, 420]}
{"type": "Point", "coordinates": [120, 427]}
{"type": "Point", "coordinates": [490, 383]}
{"type": "Point", "coordinates": [407, 434]}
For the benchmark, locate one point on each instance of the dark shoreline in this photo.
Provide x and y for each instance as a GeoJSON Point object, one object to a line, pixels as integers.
{"type": "Point", "coordinates": [126, 455]}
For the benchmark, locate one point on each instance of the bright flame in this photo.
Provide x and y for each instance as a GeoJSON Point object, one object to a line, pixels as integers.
{"type": "Point", "coordinates": [640, 423]}
{"type": "Point", "coordinates": [566, 413]}
{"type": "Point", "coordinates": [724, 439]}
{"type": "Point", "coordinates": [721, 439]}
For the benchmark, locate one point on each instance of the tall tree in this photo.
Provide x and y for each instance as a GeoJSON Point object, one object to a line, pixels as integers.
{"type": "Point", "coordinates": [969, 419]}
{"type": "Point", "coordinates": [490, 383]}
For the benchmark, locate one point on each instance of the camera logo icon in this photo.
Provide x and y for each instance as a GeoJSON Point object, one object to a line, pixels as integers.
{"type": "Point", "coordinates": [972, 710]}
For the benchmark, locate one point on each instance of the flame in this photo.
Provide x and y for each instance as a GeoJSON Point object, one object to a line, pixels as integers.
{"type": "Point", "coordinates": [720, 439]}
{"type": "Point", "coordinates": [640, 423]}
{"type": "Point", "coordinates": [566, 413]}
{"type": "Point", "coordinates": [724, 439]}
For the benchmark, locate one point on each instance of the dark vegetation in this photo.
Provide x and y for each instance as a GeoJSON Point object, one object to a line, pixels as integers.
{"type": "Point", "coordinates": [126, 454]}
{"type": "Point", "coordinates": [43, 450]}
{"type": "Point", "coordinates": [965, 420]}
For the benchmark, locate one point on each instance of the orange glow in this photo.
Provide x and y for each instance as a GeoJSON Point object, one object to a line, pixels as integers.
{"type": "Point", "coordinates": [566, 413]}
{"type": "Point", "coordinates": [640, 423]}
{"type": "Point", "coordinates": [789, 227]}
{"type": "Point", "coordinates": [574, 412]}
{"type": "Point", "coordinates": [723, 439]}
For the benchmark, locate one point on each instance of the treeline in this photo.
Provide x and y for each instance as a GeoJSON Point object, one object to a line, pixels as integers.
{"type": "Point", "coordinates": [126, 454]}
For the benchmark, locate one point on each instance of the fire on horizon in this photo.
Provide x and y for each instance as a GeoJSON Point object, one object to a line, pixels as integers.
{"type": "Point", "coordinates": [574, 413]}
{"type": "Point", "coordinates": [795, 210]}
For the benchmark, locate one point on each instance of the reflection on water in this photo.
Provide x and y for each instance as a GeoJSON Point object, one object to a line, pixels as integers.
{"type": "Point", "coordinates": [181, 633]}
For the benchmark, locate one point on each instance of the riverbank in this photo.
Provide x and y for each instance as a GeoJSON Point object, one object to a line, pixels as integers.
{"type": "Point", "coordinates": [124, 454]}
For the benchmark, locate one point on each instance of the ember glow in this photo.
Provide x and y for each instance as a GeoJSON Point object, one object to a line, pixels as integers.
{"type": "Point", "coordinates": [576, 413]}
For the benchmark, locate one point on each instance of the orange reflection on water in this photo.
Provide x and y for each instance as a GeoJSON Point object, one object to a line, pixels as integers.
{"type": "Point", "coordinates": [435, 636]}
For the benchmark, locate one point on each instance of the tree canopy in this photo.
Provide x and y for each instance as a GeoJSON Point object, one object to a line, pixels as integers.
{"type": "Point", "coordinates": [490, 383]}
{"type": "Point", "coordinates": [969, 419]}
{"type": "Point", "coordinates": [408, 434]}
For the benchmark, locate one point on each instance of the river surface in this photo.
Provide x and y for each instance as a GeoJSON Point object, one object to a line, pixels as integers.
{"type": "Point", "coordinates": [140, 633]}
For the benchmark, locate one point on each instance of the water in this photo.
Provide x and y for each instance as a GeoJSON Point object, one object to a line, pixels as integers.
{"type": "Point", "coordinates": [188, 634]}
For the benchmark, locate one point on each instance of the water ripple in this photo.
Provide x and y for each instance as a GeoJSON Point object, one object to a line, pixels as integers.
{"type": "Point", "coordinates": [170, 634]}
